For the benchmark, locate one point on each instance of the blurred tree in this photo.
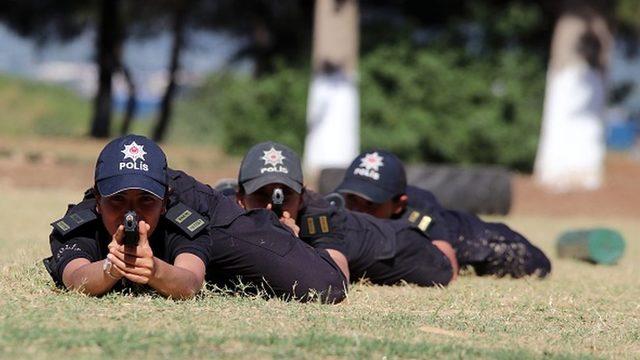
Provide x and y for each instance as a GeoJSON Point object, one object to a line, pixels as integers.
{"type": "Point", "coordinates": [109, 35]}
{"type": "Point", "coordinates": [180, 14]}
{"type": "Point", "coordinates": [572, 146]}
{"type": "Point", "coordinates": [45, 20]}
{"type": "Point", "coordinates": [280, 32]}
{"type": "Point", "coordinates": [333, 126]}
{"type": "Point", "coordinates": [64, 20]}
{"type": "Point", "coordinates": [272, 31]}
{"type": "Point", "coordinates": [446, 81]}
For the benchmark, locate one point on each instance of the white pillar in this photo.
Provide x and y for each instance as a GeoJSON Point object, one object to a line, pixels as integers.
{"type": "Point", "coordinates": [333, 128]}
{"type": "Point", "coordinates": [572, 145]}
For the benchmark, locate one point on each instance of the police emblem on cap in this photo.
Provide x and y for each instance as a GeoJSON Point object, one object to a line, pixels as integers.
{"type": "Point", "coordinates": [273, 158]}
{"type": "Point", "coordinates": [370, 165]}
{"type": "Point", "coordinates": [134, 152]}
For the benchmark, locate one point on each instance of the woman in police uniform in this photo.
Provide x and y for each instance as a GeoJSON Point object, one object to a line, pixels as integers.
{"type": "Point", "coordinates": [87, 244]}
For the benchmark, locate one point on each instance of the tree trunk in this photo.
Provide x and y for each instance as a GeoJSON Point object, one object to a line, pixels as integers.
{"type": "Point", "coordinates": [160, 130]}
{"type": "Point", "coordinates": [333, 129]}
{"type": "Point", "coordinates": [571, 150]}
{"type": "Point", "coordinates": [105, 45]}
{"type": "Point", "coordinates": [130, 110]}
{"type": "Point", "coordinates": [262, 40]}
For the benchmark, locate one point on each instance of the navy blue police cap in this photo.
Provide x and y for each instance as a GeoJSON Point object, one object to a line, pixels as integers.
{"type": "Point", "coordinates": [131, 162]}
{"type": "Point", "coordinates": [270, 163]}
{"type": "Point", "coordinates": [376, 176]}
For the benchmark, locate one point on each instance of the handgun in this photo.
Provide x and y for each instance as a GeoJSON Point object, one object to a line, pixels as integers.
{"type": "Point", "coordinates": [131, 235]}
{"type": "Point", "coordinates": [277, 199]}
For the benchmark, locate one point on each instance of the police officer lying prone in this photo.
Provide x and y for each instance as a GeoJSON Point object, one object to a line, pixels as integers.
{"type": "Point", "coordinates": [383, 251]}
{"type": "Point", "coordinates": [187, 233]}
{"type": "Point", "coordinates": [89, 253]}
{"type": "Point", "coordinates": [375, 183]}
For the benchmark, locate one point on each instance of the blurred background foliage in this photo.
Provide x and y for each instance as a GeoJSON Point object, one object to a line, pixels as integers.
{"type": "Point", "coordinates": [467, 91]}
{"type": "Point", "coordinates": [440, 81]}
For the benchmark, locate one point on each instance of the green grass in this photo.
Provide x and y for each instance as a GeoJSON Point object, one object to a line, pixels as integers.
{"type": "Point", "coordinates": [30, 107]}
{"type": "Point", "coordinates": [35, 108]}
{"type": "Point", "coordinates": [581, 311]}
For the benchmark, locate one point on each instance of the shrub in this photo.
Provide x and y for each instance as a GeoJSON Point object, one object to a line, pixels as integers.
{"type": "Point", "coordinates": [424, 104]}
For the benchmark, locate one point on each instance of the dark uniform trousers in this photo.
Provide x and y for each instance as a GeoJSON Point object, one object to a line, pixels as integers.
{"type": "Point", "coordinates": [490, 248]}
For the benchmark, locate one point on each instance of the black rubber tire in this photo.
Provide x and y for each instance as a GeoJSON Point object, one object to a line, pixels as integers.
{"type": "Point", "coordinates": [329, 180]}
{"type": "Point", "coordinates": [476, 189]}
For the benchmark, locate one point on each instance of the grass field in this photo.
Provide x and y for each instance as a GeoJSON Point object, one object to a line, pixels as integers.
{"type": "Point", "coordinates": [581, 311]}
{"type": "Point", "coordinates": [31, 107]}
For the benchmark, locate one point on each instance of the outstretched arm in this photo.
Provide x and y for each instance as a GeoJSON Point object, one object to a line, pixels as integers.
{"type": "Point", "coordinates": [450, 253]}
{"type": "Point", "coordinates": [92, 278]}
{"type": "Point", "coordinates": [182, 280]}
{"type": "Point", "coordinates": [340, 260]}
{"type": "Point", "coordinates": [88, 277]}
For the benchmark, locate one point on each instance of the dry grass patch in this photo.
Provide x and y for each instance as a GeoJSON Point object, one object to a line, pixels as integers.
{"type": "Point", "coordinates": [580, 311]}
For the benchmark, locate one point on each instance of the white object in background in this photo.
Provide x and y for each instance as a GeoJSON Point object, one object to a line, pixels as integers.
{"type": "Point", "coordinates": [572, 146]}
{"type": "Point", "coordinates": [333, 126]}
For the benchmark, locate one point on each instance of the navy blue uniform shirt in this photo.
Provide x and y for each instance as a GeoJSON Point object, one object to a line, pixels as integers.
{"type": "Point", "coordinates": [254, 249]}
{"type": "Point", "coordinates": [383, 251]}
{"type": "Point", "coordinates": [249, 248]}
{"type": "Point", "coordinates": [90, 241]}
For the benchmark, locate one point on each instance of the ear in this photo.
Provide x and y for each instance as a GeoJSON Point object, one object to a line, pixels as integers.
{"type": "Point", "coordinates": [98, 198]}
{"type": "Point", "coordinates": [401, 204]}
{"type": "Point", "coordinates": [240, 200]}
{"type": "Point", "coordinates": [301, 202]}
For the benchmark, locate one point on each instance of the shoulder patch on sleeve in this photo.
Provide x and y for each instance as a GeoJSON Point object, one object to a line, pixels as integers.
{"type": "Point", "coordinates": [419, 219]}
{"type": "Point", "coordinates": [315, 225]}
{"type": "Point", "coordinates": [187, 219]}
{"type": "Point", "coordinates": [73, 221]}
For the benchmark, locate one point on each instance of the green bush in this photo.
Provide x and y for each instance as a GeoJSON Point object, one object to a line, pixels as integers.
{"type": "Point", "coordinates": [424, 104]}
{"type": "Point", "coordinates": [440, 106]}
{"type": "Point", "coordinates": [238, 111]}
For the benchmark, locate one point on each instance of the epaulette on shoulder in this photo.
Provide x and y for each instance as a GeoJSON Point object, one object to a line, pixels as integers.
{"type": "Point", "coordinates": [419, 219]}
{"type": "Point", "coordinates": [73, 221]}
{"type": "Point", "coordinates": [315, 225]}
{"type": "Point", "coordinates": [188, 220]}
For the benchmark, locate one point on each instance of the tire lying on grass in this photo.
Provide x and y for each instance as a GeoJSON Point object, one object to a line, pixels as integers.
{"type": "Point", "coordinates": [476, 189]}
{"type": "Point", "coordinates": [329, 179]}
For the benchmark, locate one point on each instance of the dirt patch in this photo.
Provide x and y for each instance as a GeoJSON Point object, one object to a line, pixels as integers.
{"type": "Point", "coordinates": [618, 197]}
{"type": "Point", "coordinates": [68, 163]}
